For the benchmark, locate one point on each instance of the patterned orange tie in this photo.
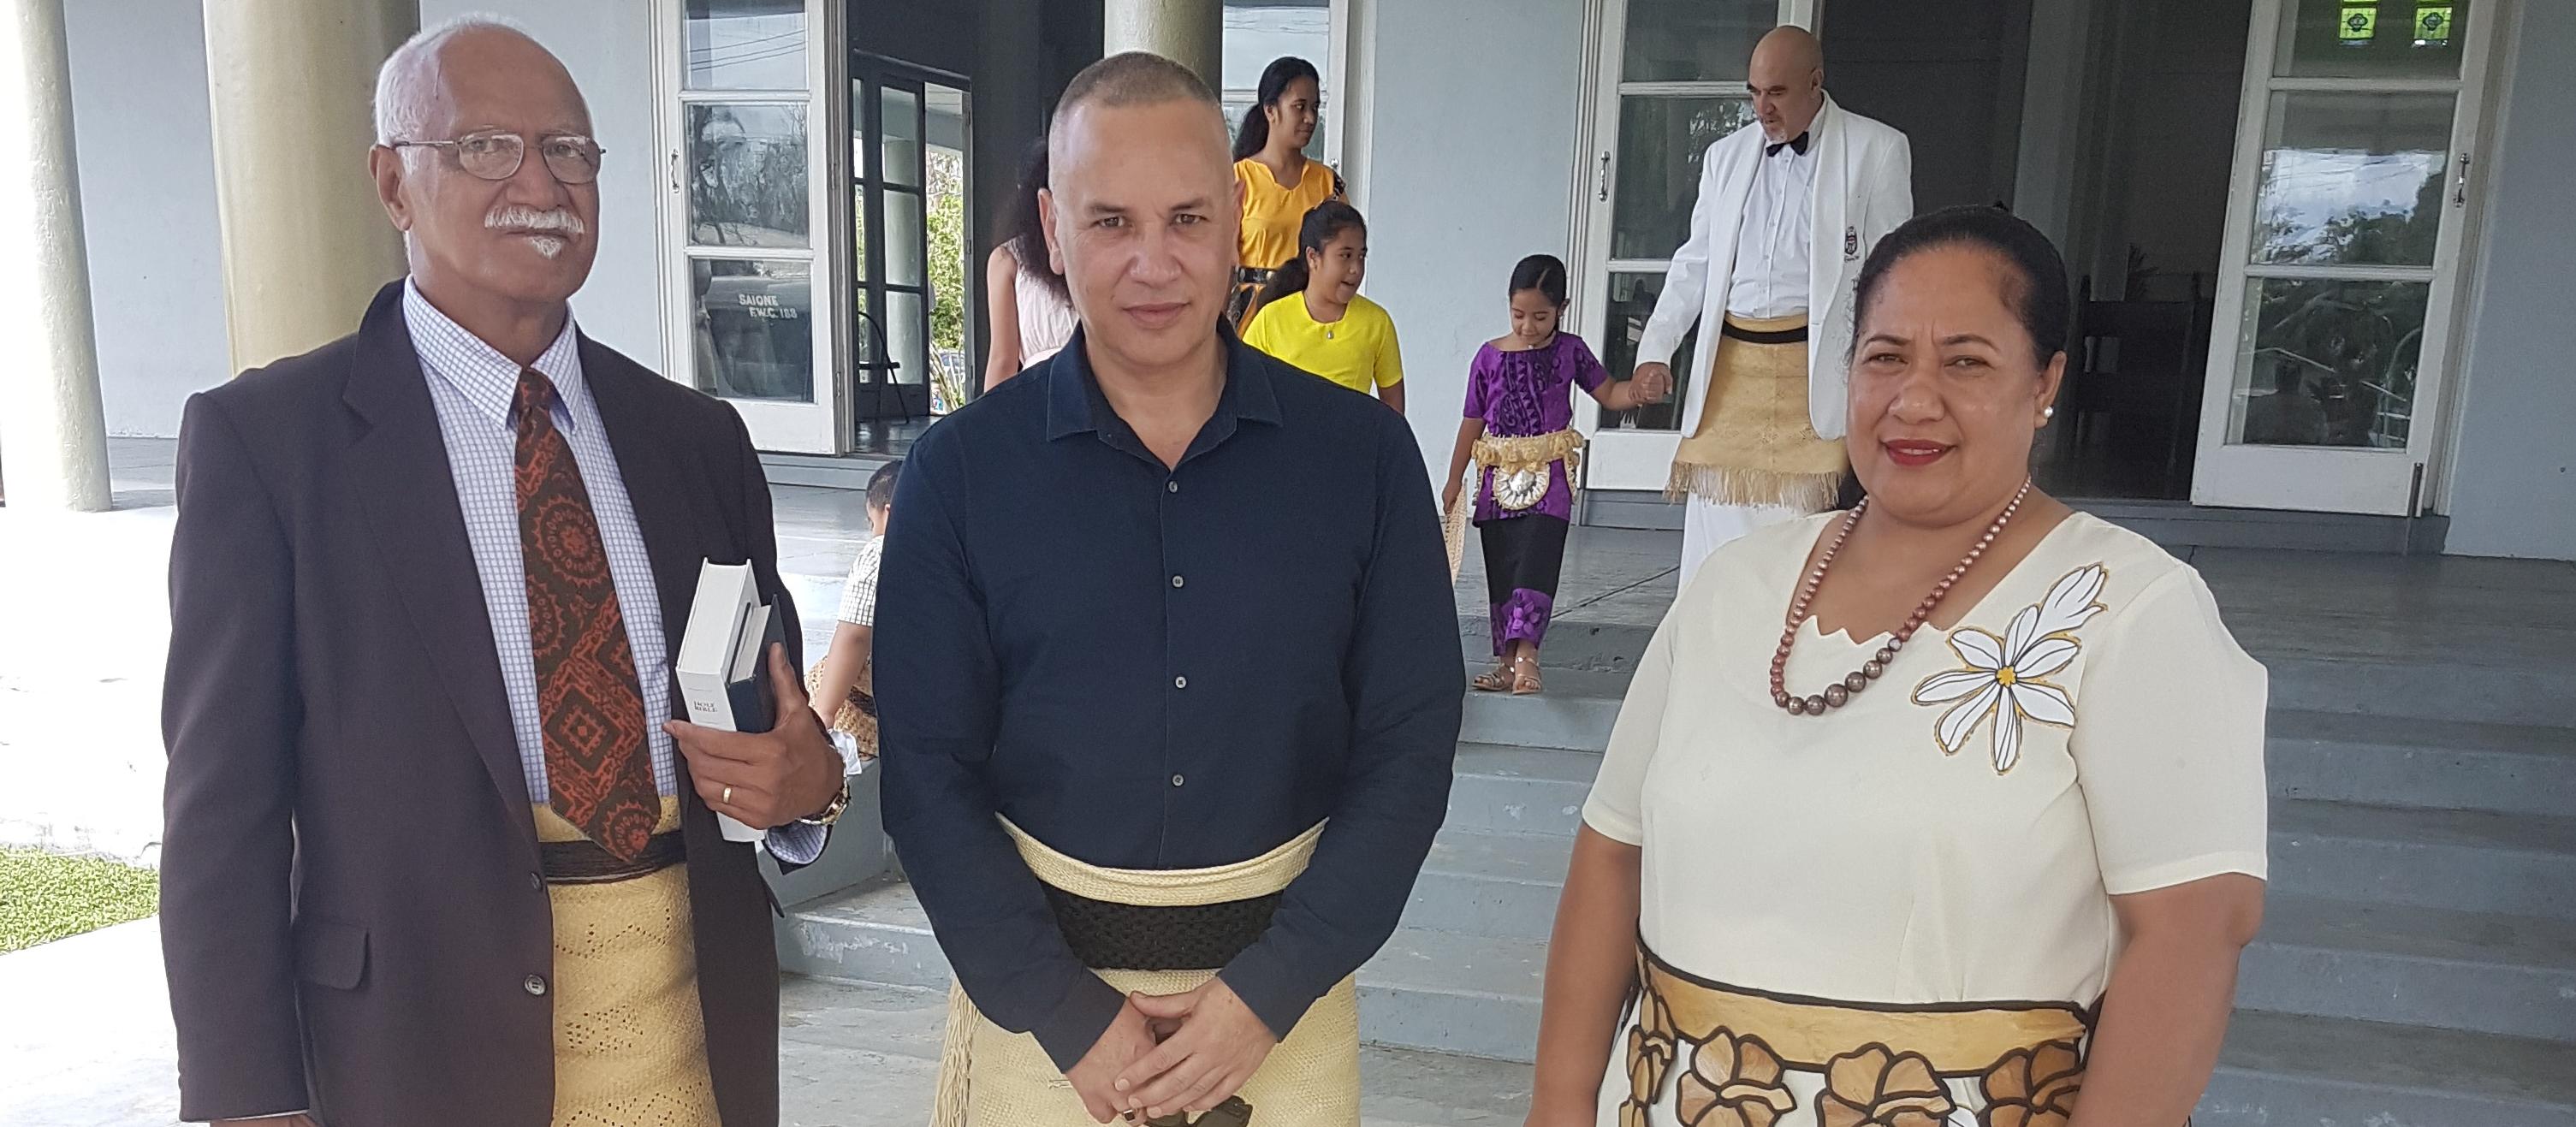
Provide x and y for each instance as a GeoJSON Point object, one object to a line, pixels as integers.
{"type": "Point", "coordinates": [599, 769]}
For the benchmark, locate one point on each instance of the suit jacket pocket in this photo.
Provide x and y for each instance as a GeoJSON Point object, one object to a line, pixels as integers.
{"type": "Point", "coordinates": [330, 953]}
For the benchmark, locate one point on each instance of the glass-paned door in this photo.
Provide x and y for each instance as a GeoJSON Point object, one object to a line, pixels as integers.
{"type": "Point", "coordinates": [744, 213]}
{"type": "Point", "coordinates": [2339, 292]}
{"type": "Point", "coordinates": [1670, 82]}
{"type": "Point", "coordinates": [912, 301]}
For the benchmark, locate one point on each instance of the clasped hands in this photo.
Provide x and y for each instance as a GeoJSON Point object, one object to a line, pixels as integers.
{"type": "Point", "coordinates": [1654, 382]}
{"type": "Point", "coordinates": [1172, 1053]}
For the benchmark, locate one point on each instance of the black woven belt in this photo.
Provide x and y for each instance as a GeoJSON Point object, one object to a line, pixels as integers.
{"type": "Point", "coordinates": [1758, 336]}
{"type": "Point", "coordinates": [1107, 936]}
{"type": "Point", "coordinates": [584, 862]}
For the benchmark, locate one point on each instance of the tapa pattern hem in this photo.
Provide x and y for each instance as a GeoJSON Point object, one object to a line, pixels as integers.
{"type": "Point", "coordinates": [1522, 618]}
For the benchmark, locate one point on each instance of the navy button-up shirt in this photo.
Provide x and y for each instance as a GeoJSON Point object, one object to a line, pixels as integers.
{"type": "Point", "coordinates": [1149, 667]}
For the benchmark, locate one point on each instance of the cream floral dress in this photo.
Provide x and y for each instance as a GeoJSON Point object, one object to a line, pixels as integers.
{"type": "Point", "coordinates": [1900, 913]}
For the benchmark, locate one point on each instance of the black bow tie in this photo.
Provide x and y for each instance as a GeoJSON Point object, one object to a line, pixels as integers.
{"type": "Point", "coordinates": [1799, 142]}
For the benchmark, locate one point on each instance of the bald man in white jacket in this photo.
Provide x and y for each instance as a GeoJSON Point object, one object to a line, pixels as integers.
{"type": "Point", "coordinates": [1788, 208]}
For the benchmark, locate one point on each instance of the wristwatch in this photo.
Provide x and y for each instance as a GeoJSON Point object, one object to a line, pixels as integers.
{"type": "Point", "coordinates": [832, 813]}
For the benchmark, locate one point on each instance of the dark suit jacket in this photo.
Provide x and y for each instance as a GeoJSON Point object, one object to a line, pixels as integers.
{"type": "Point", "coordinates": [351, 914]}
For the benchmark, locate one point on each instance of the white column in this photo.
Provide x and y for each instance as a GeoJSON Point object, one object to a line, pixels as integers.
{"type": "Point", "coordinates": [53, 430]}
{"type": "Point", "coordinates": [292, 89]}
{"type": "Point", "coordinates": [1189, 32]}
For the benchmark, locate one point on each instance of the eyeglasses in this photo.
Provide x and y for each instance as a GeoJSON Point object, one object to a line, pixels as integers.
{"type": "Point", "coordinates": [497, 155]}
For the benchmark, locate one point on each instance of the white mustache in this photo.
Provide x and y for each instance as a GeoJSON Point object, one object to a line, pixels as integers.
{"type": "Point", "coordinates": [545, 225]}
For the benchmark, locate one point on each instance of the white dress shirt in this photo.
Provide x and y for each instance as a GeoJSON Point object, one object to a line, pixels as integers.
{"type": "Point", "coordinates": [1771, 251]}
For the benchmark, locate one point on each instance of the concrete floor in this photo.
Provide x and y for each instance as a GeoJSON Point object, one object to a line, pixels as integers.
{"type": "Point", "coordinates": [85, 1041]}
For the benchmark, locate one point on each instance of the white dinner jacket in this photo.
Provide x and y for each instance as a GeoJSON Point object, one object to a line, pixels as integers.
{"type": "Point", "coordinates": [1864, 188]}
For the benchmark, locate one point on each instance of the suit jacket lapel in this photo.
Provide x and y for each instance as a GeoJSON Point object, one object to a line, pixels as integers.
{"type": "Point", "coordinates": [1832, 263]}
{"type": "Point", "coordinates": [400, 470]}
{"type": "Point", "coordinates": [1733, 162]}
{"type": "Point", "coordinates": [658, 486]}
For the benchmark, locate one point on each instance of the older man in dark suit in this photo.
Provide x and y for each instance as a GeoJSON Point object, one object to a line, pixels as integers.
{"type": "Point", "coordinates": [436, 852]}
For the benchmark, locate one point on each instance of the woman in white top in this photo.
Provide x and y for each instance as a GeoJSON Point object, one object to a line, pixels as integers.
{"type": "Point", "coordinates": [1955, 877]}
{"type": "Point", "coordinates": [1025, 301]}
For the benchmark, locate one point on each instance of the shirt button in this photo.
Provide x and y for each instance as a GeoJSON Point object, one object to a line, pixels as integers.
{"type": "Point", "coordinates": [1180, 682]}
{"type": "Point", "coordinates": [536, 984]}
{"type": "Point", "coordinates": [1176, 780]}
{"type": "Point", "coordinates": [1171, 487]}
{"type": "Point", "coordinates": [1177, 582]}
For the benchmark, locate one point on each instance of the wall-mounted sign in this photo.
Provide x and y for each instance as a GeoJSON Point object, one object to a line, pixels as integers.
{"type": "Point", "coordinates": [2360, 24]}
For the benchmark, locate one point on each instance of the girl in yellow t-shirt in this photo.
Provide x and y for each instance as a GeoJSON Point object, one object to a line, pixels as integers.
{"type": "Point", "coordinates": [1279, 185]}
{"type": "Point", "coordinates": [1330, 329]}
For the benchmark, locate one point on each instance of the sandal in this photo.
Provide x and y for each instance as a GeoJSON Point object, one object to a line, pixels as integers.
{"type": "Point", "coordinates": [1497, 680]}
{"type": "Point", "coordinates": [1525, 679]}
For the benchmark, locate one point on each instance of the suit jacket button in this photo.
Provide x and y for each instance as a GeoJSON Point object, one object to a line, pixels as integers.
{"type": "Point", "coordinates": [536, 985]}
{"type": "Point", "coordinates": [536, 882]}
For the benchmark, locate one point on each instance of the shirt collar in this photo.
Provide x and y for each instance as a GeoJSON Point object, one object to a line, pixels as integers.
{"type": "Point", "coordinates": [1076, 405]}
{"type": "Point", "coordinates": [479, 372]}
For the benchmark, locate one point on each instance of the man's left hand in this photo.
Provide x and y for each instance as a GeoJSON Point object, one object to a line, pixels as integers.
{"type": "Point", "coordinates": [765, 779]}
{"type": "Point", "coordinates": [1218, 1047]}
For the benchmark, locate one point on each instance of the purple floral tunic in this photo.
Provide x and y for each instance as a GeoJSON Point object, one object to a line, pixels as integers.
{"type": "Point", "coordinates": [1521, 394]}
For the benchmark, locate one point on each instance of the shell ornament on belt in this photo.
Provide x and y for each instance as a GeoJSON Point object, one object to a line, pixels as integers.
{"type": "Point", "coordinates": [1519, 489]}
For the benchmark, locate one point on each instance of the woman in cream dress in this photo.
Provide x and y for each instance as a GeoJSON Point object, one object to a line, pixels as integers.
{"type": "Point", "coordinates": [1978, 840]}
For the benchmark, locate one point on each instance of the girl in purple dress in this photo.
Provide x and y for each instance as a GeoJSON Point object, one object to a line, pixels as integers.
{"type": "Point", "coordinates": [1519, 431]}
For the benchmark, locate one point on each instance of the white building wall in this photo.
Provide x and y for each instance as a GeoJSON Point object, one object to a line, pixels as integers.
{"type": "Point", "coordinates": [2513, 489]}
{"type": "Point", "coordinates": [608, 46]}
{"type": "Point", "coordinates": [147, 171]}
{"type": "Point", "coordinates": [1471, 128]}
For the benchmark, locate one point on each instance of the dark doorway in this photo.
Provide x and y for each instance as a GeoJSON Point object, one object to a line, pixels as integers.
{"type": "Point", "coordinates": [2111, 124]}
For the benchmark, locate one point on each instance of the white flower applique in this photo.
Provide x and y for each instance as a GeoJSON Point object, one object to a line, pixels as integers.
{"type": "Point", "coordinates": [2003, 677]}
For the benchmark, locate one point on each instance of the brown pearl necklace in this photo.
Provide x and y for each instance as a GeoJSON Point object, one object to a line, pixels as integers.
{"type": "Point", "coordinates": [1840, 693]}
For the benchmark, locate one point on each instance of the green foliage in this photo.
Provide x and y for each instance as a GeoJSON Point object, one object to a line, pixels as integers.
{"type": "Point", "coordinates": [44, 896]}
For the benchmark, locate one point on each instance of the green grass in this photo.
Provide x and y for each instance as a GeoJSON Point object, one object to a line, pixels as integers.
{"type": "Point", "coordinates": [44, 897]}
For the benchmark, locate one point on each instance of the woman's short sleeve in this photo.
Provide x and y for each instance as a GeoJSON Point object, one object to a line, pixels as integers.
{"type": "Point", "coordinates": [2168, 742]}
{"type": "Point", "coordinates": [1588, 372]}
{"type": "Point", "coordinates": [1616, 808]}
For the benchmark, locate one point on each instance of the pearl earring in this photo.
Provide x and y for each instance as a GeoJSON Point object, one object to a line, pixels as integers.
{"type": "Point", "coordinates": [2047, 413]}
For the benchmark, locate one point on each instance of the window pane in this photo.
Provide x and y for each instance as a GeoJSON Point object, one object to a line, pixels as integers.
{"type": "Point", "coordinates": [2373, 38]}
{"type": "Point", "coordinates": [2353, 179]}
{"type": "Point", "coordinates": [1661, 144]}
{"type": "Point", "coordinates": [902, 129]}
{"type": "Point", "coordinates": [2327, 363]}
{"type": "Point", "coordinates": [907, 339]}
{"type": "Point", "coordinates": [903, 239]}
{"type": "Point", "coordinates": [746, 175]}
{"type": "Point", "coordinates": [755, 331]}
{"type": "Point", "coordinates": [1255, 34]}
{"type": "Point", "coordinates": [1632, 300]}
{"type": "Point", "coordinates": [745, 44]}
{"type": "Point", "coordinates": [859, 233]}
{"type": "Point", "coordinates": [1694, 40]}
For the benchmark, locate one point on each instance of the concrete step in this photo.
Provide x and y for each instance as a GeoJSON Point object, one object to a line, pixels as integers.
{"type": "Point", "coordinates": [2279, 1070]}
{"type": "Point", "coordinates": [2476, 972]}
{"type": "Point", "coordinates": [1479, 996]}
{"type": "Point", "coordinates": [2464, 860]}
{"type": "Point", "coordinates": [2538, 694]}
{"type": "Point", "coordinates": [2343, 757]}
{"type": "Point", "coordinates": [1575, 712]}
{"type": "Point", "coordinates": [1520, 789]}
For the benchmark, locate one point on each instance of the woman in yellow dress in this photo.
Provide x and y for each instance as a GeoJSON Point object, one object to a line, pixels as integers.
{"type": "Point", "coordinates": [1279, 184]}
{"type": "Point", "coordinates": [1995, 874]}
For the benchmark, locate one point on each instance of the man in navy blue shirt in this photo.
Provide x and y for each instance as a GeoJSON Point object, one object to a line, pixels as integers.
{"type": "Point", "coordinates": [1172, 675]}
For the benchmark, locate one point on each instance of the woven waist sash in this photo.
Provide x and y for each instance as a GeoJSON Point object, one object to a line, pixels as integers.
{"type": "Point", "coordinates": [1528, 452]}
{"type": "Point", "coordinates": [1696, 1043]}
{"type": "Point", "coordinates": [1193, 920]}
